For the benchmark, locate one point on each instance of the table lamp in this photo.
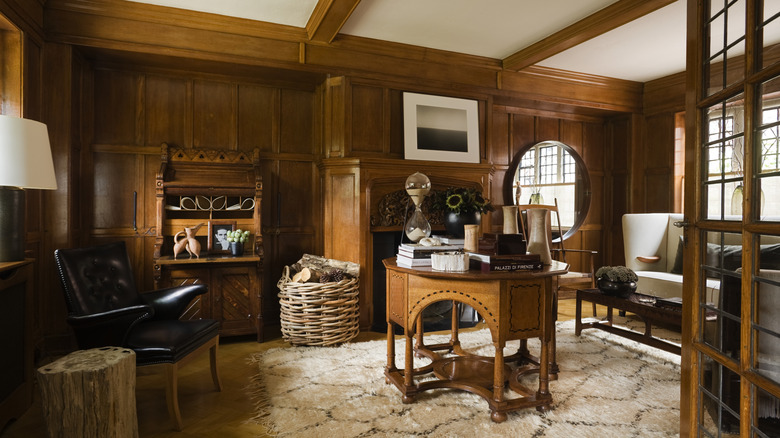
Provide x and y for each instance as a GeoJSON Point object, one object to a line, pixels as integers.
{"type": "Point", "coordinates": [417, 187]}
{"type": "Point", "coordinates": [25, 163]}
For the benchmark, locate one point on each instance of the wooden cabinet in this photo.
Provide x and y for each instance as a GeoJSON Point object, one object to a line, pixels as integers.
{"type": "Point", "coordinates": [16, 361]}
{"type": "Point", "coordinates": [205, 189]}
{"type": "Point", "coordinates": [234, 290]}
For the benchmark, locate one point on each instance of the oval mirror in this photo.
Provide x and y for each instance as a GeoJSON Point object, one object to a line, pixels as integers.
{"type": "Point", "coordinates": [547, 171]}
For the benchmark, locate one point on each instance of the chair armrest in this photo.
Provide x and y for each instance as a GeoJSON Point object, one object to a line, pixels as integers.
{"type": "Point", "coordinates": [648, 259]}
{"type": "Point", "coordinates": [583, 251]}
{"type": "Point", "coordinates": [591, 254]}
{"type": "Point", "coordinates": [170, 303]}
{"type": "Point", "coordinates": [107, 328]}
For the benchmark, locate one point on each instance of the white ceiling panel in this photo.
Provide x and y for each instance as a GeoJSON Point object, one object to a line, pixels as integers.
{"type": "Point", "coordinates": [289, 12]}
{"type": "Point", "coordinates": [492, 28]}
{"type": "Point", "coordinates": [647, 48]}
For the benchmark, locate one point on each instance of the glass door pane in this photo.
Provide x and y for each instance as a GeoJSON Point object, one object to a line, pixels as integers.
{"type": "Point", "coordinates": [723, 157]}
{"type": "Point", "coordinates": [767, 150]}
{"type": "Point", "coordinates": [735, 357]}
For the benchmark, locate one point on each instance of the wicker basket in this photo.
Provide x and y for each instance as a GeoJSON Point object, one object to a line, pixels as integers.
{"type": "Point", "coordinates": [318, 313]}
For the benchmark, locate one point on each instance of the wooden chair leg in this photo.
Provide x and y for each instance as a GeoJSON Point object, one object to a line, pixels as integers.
{"type": "Point", "coordinates": [172, 394]}
{"type": "Point", "coordinates": [553, 374]}
{"type": "Point", "coordinates": [214, 370]}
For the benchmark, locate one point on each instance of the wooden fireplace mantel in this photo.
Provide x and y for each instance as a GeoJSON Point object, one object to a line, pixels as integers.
{"type": "Point", "coordinates": [353, 188]}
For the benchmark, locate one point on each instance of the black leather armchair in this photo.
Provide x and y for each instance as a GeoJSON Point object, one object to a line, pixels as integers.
{"type": "Point", "coordinates": [105, 309]}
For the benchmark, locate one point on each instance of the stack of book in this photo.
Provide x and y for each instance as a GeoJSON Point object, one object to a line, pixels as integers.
{"type": "Point", "coordinates": [414, 255]}
{"type": "Point", "coordinates": [504, 262]}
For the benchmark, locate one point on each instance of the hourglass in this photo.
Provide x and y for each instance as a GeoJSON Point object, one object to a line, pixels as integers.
{"type": "Point", "coordinates": [417, 227]}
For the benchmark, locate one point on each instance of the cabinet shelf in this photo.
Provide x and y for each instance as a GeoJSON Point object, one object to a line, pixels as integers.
{"type": "Point", "coordinates": [220, 258]}
{"type": "Point", "coordinates": [188, 203]}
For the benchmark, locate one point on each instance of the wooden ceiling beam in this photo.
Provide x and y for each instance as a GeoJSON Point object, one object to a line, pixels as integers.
{"type": "Point", "coordinates": [328, 18]}
{"type": "Point", "coordinates": [609, 18]}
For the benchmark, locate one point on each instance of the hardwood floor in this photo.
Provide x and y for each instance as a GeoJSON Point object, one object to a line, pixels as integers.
{"type": "Point", "coordinates": [205, 412]}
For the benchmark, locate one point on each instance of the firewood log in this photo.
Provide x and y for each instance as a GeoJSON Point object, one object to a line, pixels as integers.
{"type": "Point", "coordinates": [320, 265]}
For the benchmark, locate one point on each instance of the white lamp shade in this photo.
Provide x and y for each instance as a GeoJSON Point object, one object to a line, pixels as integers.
{"type": "Point", "coordinates": [25, 154]}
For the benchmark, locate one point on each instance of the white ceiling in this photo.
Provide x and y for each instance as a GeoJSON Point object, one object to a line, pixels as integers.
{"type": "Point", "coordinates": [645, 49]}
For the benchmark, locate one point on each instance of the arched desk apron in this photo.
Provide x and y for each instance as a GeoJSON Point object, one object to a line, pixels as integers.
{"type": "Point", "coordinates": [515, 305]}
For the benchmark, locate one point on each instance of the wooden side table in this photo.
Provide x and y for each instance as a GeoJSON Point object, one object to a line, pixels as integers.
{"type": "Point", "coordinates": [100, 382]}
{"type": "Point", "coordinates": [515, 305]}
{"type": "Point", "coordinates": [16, 360]}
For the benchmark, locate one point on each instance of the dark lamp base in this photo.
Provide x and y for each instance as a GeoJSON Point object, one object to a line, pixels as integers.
{"type": "Point", "coordinates": [12, 210]}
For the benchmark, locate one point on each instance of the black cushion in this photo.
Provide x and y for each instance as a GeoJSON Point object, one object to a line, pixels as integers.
{"type": "Point", "coordinates": [726, 257]}
{"type": "Point", "coordinates": [169, 341]}
{"type": "Point", "coordinates": [770, 256]}
{"type": "Point", "coordinates": [732, 256]}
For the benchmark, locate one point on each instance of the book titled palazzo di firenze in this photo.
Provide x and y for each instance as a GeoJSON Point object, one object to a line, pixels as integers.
{"type": "Point", "coordinates": [504, 262]}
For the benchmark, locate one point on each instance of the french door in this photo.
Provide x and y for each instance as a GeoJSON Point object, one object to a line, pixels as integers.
{"type": "Point", "coordinates": [731, 369]}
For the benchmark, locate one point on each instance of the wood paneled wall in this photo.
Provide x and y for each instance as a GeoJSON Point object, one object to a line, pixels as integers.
{"type": "Point", "coordinates": [136, 111]}
{"type": "Point", "coordinates": [655, 154]}
{"type": "Point", "coordinates": [111, 91]}
{"type": "Point", "coordinates": [618, 180]}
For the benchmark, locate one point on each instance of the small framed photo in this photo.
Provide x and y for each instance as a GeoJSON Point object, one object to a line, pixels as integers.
{"type": "Point", "coordinates": [439, 128]}
{"type": "Point", "coordinates": [218, 243]}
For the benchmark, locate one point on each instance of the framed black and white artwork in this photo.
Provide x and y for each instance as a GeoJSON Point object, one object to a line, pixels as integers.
{"type": "Point", "coordinates": [438, 128]}
{"type": "Point", "coordinates": [218, 243]}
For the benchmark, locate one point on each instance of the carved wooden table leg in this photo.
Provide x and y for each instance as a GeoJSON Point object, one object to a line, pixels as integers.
{"type": "Point", "coordinates": [498, 382]}
{"type": "Point", "coordinates": [408, 367]}
{"type": "Point", "coordinates": [390, 368]}
{"type": "Point", "coordinates": [544, 379]}
{"type": "Point", "coordinates": [553, 356]}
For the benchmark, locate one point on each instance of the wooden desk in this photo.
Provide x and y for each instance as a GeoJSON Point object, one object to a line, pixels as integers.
{"type": "Point", "coordinates": [515, 305]}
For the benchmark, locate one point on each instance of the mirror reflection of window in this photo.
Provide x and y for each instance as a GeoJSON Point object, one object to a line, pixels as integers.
{"type": "Point", "coordinates": [548, 172]}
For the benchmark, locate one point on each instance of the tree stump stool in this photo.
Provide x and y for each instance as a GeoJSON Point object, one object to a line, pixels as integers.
{"type": "Point", "coordinates": [90, 393]}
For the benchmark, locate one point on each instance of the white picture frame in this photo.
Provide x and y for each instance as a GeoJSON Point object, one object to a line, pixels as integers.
{"type": "Point", "coordinates": [439, 128]}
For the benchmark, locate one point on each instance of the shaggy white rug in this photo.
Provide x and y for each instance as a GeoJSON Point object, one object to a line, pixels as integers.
{"type": "Point", "coordinates": [607, 387]}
